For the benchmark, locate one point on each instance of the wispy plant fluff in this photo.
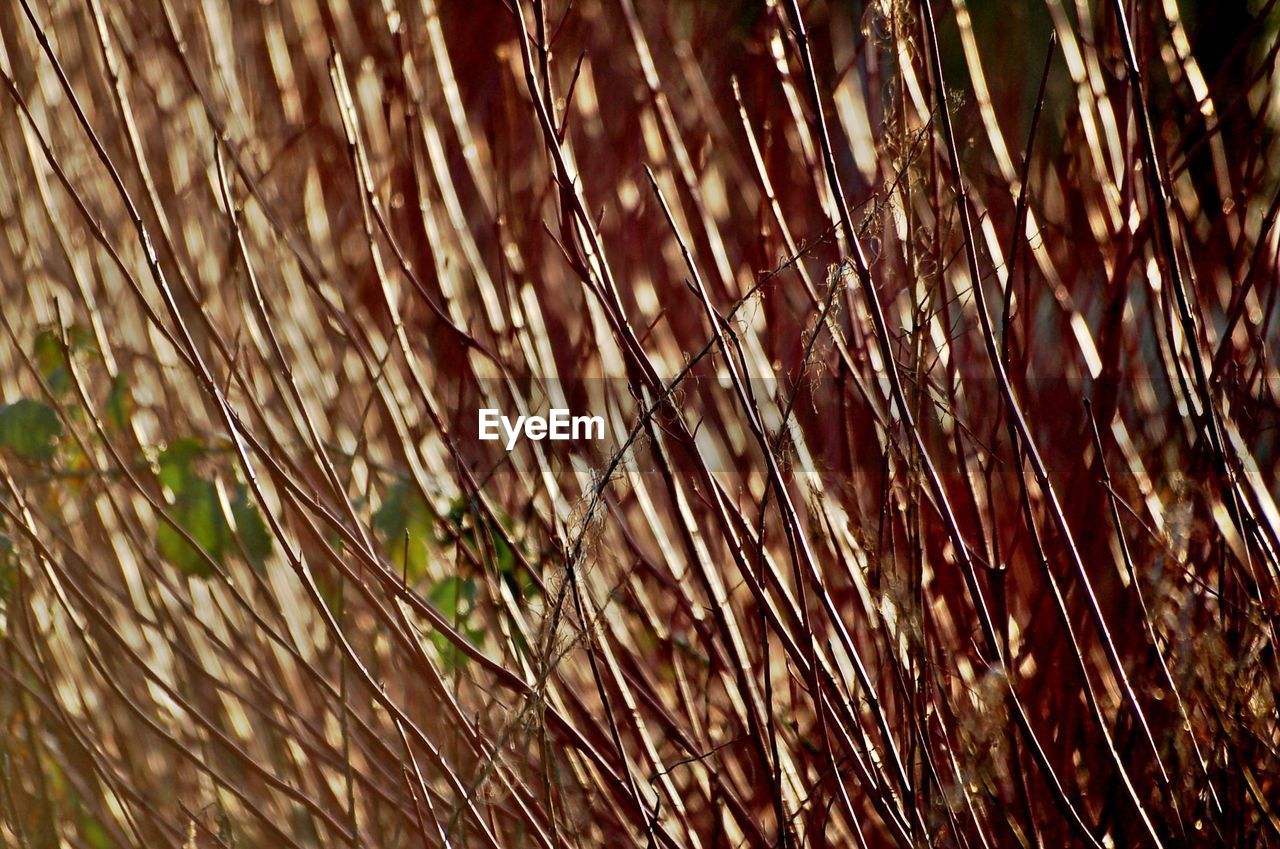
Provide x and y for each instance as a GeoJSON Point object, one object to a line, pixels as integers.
{"type": "Point", "coordinates": [936, 345]}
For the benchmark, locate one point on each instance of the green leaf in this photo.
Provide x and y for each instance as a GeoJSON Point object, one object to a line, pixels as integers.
{"type": "Point", "coordinates": [8, 568]}
{"type": "Point", "coordinates": [197, 511]}
{"type": "Point", "coordinates": [404, 511]}
{"type": "Point", "coordinates": [29, 429]}
{"type": "Point", "coordinates": [50, 359]}
{"type": "Point", "coordinates": [175, 463]}
{"type": "Point", "coordinates": [512, 573]}
{"type": "Point", "coordinates": [119, 405]}
{"type": "Point", "coordinates": [47, 353]}
{"type": "Point", "coordinates": [94, 834]}
{"type": "Point", "coordinates": [251, 527]}
{"type": "Point", "coordinates": [455, 597]}
{"type": "Point", "coordinates": [452, 657]}
{"type": "Point", "coordinates": [330, 589]}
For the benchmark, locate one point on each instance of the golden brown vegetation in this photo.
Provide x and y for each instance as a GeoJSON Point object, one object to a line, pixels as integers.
{"type": "Point", "coordinates": [937, 502]}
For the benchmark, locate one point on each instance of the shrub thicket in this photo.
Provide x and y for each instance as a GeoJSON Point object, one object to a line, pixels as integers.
{"type": "Point", "coordinates": [936, 346]}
